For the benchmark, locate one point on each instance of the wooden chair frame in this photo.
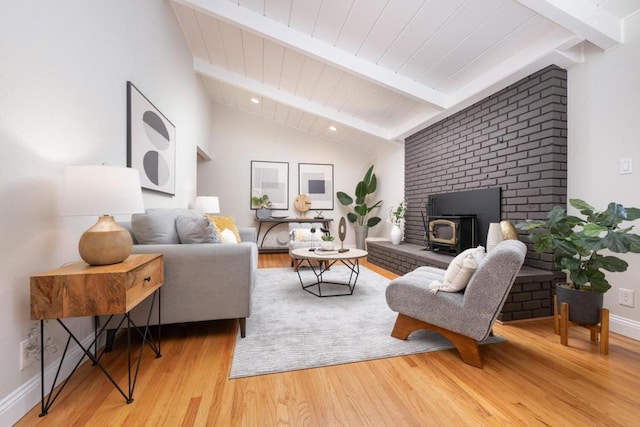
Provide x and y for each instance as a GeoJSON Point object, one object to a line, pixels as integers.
{"type": "Point", "coordinates": [466, 346]}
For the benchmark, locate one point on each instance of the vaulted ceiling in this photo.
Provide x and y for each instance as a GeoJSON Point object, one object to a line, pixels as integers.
{"type": "Point", "coordinates": [368, 72]}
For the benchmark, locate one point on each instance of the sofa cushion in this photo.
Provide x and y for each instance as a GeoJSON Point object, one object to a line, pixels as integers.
{"type": "Point", "coordinates": [196, 230]}
{"type": "Point", "coordinates": [460, 271]}
{"type": "Point", "coordinates": [305, 235]}
{"type": "Point", "coordinates": [225, 222]}
{"type": "Point", "coordinates": [158, 226]}
{"type": "Point", "coordinates": [227, 236]}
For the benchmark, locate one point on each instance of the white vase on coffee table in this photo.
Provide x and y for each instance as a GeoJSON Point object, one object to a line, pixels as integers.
{"type": "Point", "coordinates": [327, 245]}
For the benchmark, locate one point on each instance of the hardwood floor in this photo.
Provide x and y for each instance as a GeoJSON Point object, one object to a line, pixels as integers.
{"type": "Point", "coordinates": [528, 380]}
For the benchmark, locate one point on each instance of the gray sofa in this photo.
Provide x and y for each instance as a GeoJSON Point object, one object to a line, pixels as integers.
{"type": "Point", "coordinates": [207, 281]}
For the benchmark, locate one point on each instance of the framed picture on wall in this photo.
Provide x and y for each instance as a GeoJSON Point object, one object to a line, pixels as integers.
{"type": "Point", "coordinates": [316, 180]}
{"type": "Point", "coordinates": [271, 179]}
{"type": "Point", "coordinates": [151, 143]}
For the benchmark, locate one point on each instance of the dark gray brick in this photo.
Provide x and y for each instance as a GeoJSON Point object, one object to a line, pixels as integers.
{"type": "Point", "coordinates": [460, 152]}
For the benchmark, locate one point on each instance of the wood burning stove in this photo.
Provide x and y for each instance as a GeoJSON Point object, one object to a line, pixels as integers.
{"type": "Point", "coordinates": [451, 233]}
{"type": "Point", "coordinates": [468, 213]}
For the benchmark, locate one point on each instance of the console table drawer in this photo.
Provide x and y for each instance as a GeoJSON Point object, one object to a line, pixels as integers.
{"type": "Point", "coordinates": [144, 281]}
{"type": "Point", "coordinates": [79, 290]}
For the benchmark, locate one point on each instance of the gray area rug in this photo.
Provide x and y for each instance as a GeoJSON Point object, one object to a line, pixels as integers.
{"type": "Point", "coordinates": [290, 329]}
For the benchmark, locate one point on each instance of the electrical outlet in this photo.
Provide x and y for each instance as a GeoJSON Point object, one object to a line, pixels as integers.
{"type": "Point", "coordinates": [25, 356]}
{"type": "Point", "coordinates": [625, 297]}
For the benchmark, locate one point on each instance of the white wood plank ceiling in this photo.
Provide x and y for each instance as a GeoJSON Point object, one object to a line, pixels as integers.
{"type": "Point", "coordinates": [379, 70]}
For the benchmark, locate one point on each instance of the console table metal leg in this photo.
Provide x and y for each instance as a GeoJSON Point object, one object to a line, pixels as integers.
{"type": "Point", "coordinates": [159, 353]}
{"type": "Point", "coordinates": [43, 410]}
{"type": "Point", "coordinates": [147, 339]}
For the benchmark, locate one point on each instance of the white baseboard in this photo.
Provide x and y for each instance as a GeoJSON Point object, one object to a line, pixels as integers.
{"type": "Point", "coordinates": [24, 398]}
{"type": "Point", "coordinates": [627, 327]}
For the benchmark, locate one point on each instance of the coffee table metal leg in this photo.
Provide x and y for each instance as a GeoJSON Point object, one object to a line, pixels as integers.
{"type": "Point", "coordinates": [354, 267]}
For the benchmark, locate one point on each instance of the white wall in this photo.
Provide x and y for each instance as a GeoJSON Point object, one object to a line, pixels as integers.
{"type": "Point", "coordinates": [604, 127]}
{"type": "Point", "coordinates": [63, 101]}
{"type": "Point", "coordinates": [239, 137]}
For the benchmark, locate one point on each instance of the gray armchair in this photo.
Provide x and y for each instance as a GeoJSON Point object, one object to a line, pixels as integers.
{"type": "Point", "coordinates": [462, 317]}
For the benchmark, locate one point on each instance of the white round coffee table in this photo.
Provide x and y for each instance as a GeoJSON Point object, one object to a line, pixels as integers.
{"type": "Point", "coordinates": [350, 258]}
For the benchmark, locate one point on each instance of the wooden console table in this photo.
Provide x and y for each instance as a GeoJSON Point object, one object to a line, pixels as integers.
{"type": "Point", "coordinates": [273, 222]}
{"type": "Point", "coordinates": [79, 290]}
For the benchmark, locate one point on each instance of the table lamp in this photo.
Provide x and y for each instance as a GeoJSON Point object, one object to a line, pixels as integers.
{"type": "Point", "coordinates": [105, 191]}
{"type": "Point", "coordinates": [208, 204]}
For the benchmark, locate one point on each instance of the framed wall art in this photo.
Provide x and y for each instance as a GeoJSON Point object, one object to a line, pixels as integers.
{"type": "Point", "coordinates": [151, 143]}
{"type": "Point", "coordinates": [316, 180]}
{"type": "Point", "coordinates": [272, 179]}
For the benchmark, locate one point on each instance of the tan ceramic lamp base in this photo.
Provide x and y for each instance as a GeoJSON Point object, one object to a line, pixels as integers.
{"type": "Point", "coordinates": [105, 243]}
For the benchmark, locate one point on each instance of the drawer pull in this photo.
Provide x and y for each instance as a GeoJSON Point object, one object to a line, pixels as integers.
{"type": "Point", "coordinates": [147, 279]}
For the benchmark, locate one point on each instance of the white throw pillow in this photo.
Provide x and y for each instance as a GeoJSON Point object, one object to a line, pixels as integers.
{"type": "Point", "coordinates": [305, 235]}
{"type": "Point", "coordinates": [460, 271]}
{"type": "Point", "coordinates": [227, 236]}
{"type": "Point", "coordinates": [478, 254]}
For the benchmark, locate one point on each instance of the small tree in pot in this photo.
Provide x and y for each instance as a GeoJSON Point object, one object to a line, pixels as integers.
{"type": "Point", "coordinates": [264, 206]}
{"type": "Point", "coordinates": [576, 243]}
{"type": "Point", "coordinates": [362, 208]}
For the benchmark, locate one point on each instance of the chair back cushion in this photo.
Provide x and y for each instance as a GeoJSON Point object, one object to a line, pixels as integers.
{"type": "Point", "coordinates": [489, 287]}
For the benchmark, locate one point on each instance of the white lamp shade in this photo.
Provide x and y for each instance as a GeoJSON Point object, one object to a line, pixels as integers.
{"type": "Point", "coordinates": [208, 204]}
{"type": "Point", "coordinates": [101, 190]}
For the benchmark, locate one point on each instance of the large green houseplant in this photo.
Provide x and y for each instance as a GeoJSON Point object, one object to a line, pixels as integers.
{"type": "Point", "coordinates": [362, 206]}
{"type": "Point", "coordinates": [577, 243]}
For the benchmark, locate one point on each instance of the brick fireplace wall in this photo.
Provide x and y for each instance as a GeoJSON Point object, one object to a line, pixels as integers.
{"type": "Point", "coordinates": [515, 139]}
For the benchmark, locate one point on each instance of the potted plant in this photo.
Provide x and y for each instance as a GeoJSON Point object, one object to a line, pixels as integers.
{"type": "Point", "coordinates": [363, 207]}
{"type": "Point", "coordinates": [263, 204]}
{"type": "Point", "coordinates": [576, 243]}
{"type": "Point", "coordinates": [396, 216]}
{"type": "Point", "coordinates": [327, 243]}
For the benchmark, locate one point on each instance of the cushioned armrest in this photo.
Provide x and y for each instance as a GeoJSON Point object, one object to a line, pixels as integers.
{"type": "Point", "coordinates": [206, 281]}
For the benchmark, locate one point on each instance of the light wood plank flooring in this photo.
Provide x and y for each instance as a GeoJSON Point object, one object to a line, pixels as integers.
{"type": "Point", "coordinates": [529, 380]}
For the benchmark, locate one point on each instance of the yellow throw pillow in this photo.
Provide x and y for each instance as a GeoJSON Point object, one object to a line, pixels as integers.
{"type": "Point", "coordinates": [224, 222]}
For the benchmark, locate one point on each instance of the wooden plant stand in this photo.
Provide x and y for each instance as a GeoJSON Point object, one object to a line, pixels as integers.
{"type": "Point", "coordinates": [599, 332]}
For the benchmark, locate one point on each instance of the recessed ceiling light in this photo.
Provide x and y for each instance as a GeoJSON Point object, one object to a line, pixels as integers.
{"type": "Point", "coordinates": [255, 100]}
{"type": "Point", "coordinates": [333, 128]}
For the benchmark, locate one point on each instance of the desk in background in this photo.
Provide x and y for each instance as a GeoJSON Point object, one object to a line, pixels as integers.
{"type": "Point", "coordinates": [271, 223]}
